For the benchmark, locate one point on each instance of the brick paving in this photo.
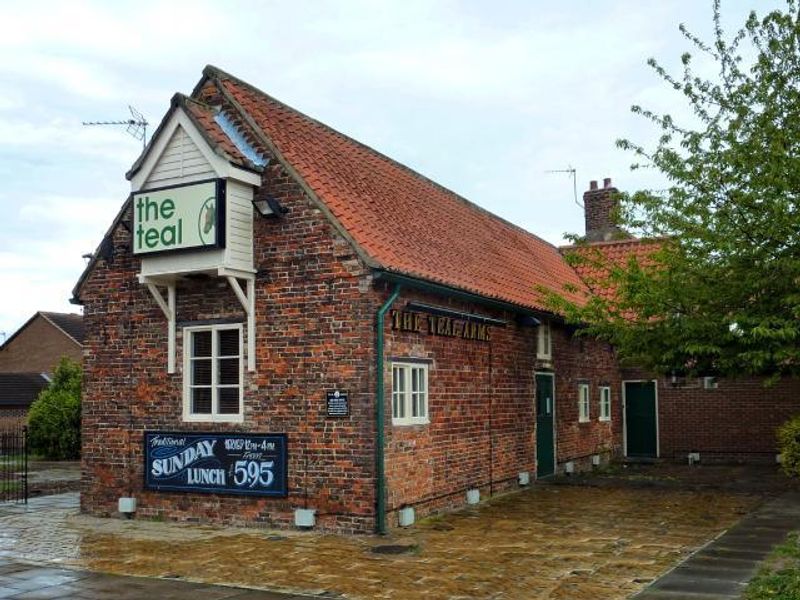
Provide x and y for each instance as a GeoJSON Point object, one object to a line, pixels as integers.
{"type": "Point", "coordinates": [722, 569]}
{"type": "Point", "coordinates": [557, 542]}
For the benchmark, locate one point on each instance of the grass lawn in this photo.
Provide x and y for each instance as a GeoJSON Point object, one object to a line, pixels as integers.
{"type": "Point", "coordinates": [779, 577]}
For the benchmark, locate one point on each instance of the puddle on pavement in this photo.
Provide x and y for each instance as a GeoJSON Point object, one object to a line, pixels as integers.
{"type": "Point", "coordinates": [557, 542]}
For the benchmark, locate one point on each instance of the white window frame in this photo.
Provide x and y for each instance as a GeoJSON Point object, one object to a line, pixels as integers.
{"type": "Point", "coordinates": [584, 410]}
{"type": "Point", "coordinates": [544, 342]}
{"type": "Point", "coordinates": [605, 403]}
{"type": "Point", "coordinates": [215, 416]}
{"type": "Point", "coordinates": [406, 395]}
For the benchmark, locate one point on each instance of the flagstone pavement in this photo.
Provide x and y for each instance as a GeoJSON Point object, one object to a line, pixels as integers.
{"type": "Point", "coordinates": [556, 542]}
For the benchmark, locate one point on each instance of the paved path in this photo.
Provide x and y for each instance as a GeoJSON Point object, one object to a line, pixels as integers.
{"type": "Point", "coordinates": [721, 570]}
{"type": "Point", "coordinates": [576, 543]}
{"type": "Point", "coordinates": [20, 581]}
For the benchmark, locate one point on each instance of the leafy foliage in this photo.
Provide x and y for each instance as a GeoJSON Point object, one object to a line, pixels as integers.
{"type": "Point", "coordinates": [54, 420]}
{"type": "Point", "coordinates": [722, 292]}
{"type": "Point", "coordinates": [789, 445]}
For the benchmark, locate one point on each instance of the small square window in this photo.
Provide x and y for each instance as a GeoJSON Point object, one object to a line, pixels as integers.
{"type": "Point", "coordinates": [605, 403]}
{"type": "Point", "coordinates": [213, 374]}
{"type": "Point", "coordinates": [583, 402]}
{"type": "Point", "coordinates": [409, 394]}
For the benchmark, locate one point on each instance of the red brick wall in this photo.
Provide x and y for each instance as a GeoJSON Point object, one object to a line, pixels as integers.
{"type": "Point", "coordinates": [38, 348]}
{"type": "Point", "coordinates": [736, 421]}
{"type": "Point", "coordinates": [481, 410]}
{"type": "Point", "coordinates": [315, 312]}
{"type": "Point", "coordinates": [584, 360]}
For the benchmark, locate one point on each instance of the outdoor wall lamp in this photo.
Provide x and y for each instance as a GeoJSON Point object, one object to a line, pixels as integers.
{"type": "Point", "coordinates": [269, 207]}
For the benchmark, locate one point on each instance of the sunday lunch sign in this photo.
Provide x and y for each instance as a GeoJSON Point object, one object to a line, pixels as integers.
{"type": "Point", "coordinates": [179, 217]}
{"type": "Point", "coordinates": [216, 463]}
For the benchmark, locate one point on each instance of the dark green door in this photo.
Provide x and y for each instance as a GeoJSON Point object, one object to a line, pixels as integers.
{"type": "Point", "coordinates": [640, 419]}
{"type": "Point", "coordinates": [545, 403]}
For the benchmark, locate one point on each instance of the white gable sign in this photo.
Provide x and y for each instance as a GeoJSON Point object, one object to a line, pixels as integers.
{"type": "Point", "coordinates": [185, 217]}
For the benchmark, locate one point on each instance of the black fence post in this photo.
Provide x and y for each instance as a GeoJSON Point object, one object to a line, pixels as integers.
{"type": "Point", "coordinates": [25, 463]}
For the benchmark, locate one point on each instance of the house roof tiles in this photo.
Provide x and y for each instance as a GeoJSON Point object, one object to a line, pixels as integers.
{"type": "Point", "coordinates": [20, 389]}
{"type": "Point", "coordinates": [401, 220]}
{"type": "Point", "coordinates": [600, 255]}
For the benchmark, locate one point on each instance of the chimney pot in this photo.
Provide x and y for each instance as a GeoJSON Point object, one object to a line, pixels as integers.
{"type": "Point", "coordinates": [607, 182]}
{"type": "Point", "coordinates": [593, 184]}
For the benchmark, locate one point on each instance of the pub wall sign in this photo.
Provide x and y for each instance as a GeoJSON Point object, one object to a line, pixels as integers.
{"type": "Point", "coordinates": [442, 326]}
{"type": "Point", "coordinates": [216, 463]}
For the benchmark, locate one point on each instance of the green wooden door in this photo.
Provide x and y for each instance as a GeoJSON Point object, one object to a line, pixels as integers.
{"type": "Point", "coordinates": [640, 419]}
{"type": "Point", "coordinates": [545, 403]}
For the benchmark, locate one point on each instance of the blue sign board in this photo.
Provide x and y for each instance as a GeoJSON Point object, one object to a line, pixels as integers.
{"type": "Point", "coordinates": [217, 463]}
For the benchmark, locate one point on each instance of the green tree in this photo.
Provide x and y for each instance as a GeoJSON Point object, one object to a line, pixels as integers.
{"type": "Point", "coordinates": [54, 420]}
{"type": "Point", "coordinates": [722, 293]}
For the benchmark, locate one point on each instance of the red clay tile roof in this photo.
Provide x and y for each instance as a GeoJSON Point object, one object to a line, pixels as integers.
{"type": "Point", "coordinates": [613, 253]}
{"type": "Point", "coordinates": [403, 221]}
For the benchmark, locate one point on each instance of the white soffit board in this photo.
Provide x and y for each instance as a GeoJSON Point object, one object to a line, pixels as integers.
{"type": "Point", "coordinates": [181, 155]}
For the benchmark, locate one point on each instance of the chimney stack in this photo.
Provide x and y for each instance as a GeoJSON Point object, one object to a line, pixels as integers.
{"type": "Point", "coordinates": [599, 205]}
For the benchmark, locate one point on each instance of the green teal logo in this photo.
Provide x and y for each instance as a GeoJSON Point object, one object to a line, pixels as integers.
{"type": "Point", "coordinates": [206, 221]}
{"type": "Point", "coordinates": [153, 212]}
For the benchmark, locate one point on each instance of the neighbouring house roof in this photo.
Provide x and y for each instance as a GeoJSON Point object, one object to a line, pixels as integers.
{"type": "Point", "coordinates": [21, 389]}
{"type": "Point", "coordinates": [599, 256]}
{"type": "Point", "coordinates": [70, 324]}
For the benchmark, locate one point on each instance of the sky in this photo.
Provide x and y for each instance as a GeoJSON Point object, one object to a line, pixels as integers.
{"type": "Point", "coordinates": [487, 98]}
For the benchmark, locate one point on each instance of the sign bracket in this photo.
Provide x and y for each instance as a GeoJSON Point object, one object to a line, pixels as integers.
{"type": "Point", "coordinates": [248, 302]}
{"type": "Point", "coordinates": [168, 308]}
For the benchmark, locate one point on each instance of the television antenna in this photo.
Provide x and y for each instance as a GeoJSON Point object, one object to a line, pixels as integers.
{"type": "Point", "coordinates": [572, 173]}
{"type": "Point", "coordinates": [136, 125]}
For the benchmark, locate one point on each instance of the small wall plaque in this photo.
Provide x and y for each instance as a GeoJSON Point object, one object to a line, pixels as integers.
{"type": "Point", "coordinates": [338, 404]}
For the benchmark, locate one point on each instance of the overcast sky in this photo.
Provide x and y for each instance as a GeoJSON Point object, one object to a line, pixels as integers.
{"type": "Point", "coordinates": [483, 97]}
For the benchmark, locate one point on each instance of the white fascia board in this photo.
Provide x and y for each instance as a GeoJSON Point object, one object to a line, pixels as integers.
{"type": "Point", "coordinates": [222, 167]}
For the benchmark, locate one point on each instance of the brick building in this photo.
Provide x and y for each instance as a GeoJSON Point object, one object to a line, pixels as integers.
{"type": "Point", "coordinates": [30, 355]}
{"type": "Point", "coordinates": [275, 330]}
{"type": "Point", "coordinates": [285, 326]}
{"type": "Point", "coordinates": [715, 419]}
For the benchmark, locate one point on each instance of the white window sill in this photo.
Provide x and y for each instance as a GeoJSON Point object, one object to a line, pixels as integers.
{"type": "Point", "coordinates": [213, 418]}
{"type": "Point", "coordinates": [584, 420]}
{"type": "Point", "coordinates": [545, 358]}
{"type": "Point", "coordinates": [604, 419]}
{"type": "Point", "coordinates": [412, 421]}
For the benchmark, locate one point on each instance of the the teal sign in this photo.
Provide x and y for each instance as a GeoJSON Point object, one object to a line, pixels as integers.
{"type": "Point", "coordinates": [179, 218]}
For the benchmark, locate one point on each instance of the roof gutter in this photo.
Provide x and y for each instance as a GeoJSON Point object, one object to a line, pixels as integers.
{"type": "Point", "coordinates": [452, 292]}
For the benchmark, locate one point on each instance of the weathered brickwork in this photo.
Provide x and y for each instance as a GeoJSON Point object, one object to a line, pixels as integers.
{"type": "Point", "coordinates": [481, 411]}
{"type": "Point", "coordinates": [599, 206]}
{"type": "Point", "coordinates": [577, 360]}
{"type": "Point", "coordinates": [314, 333]}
